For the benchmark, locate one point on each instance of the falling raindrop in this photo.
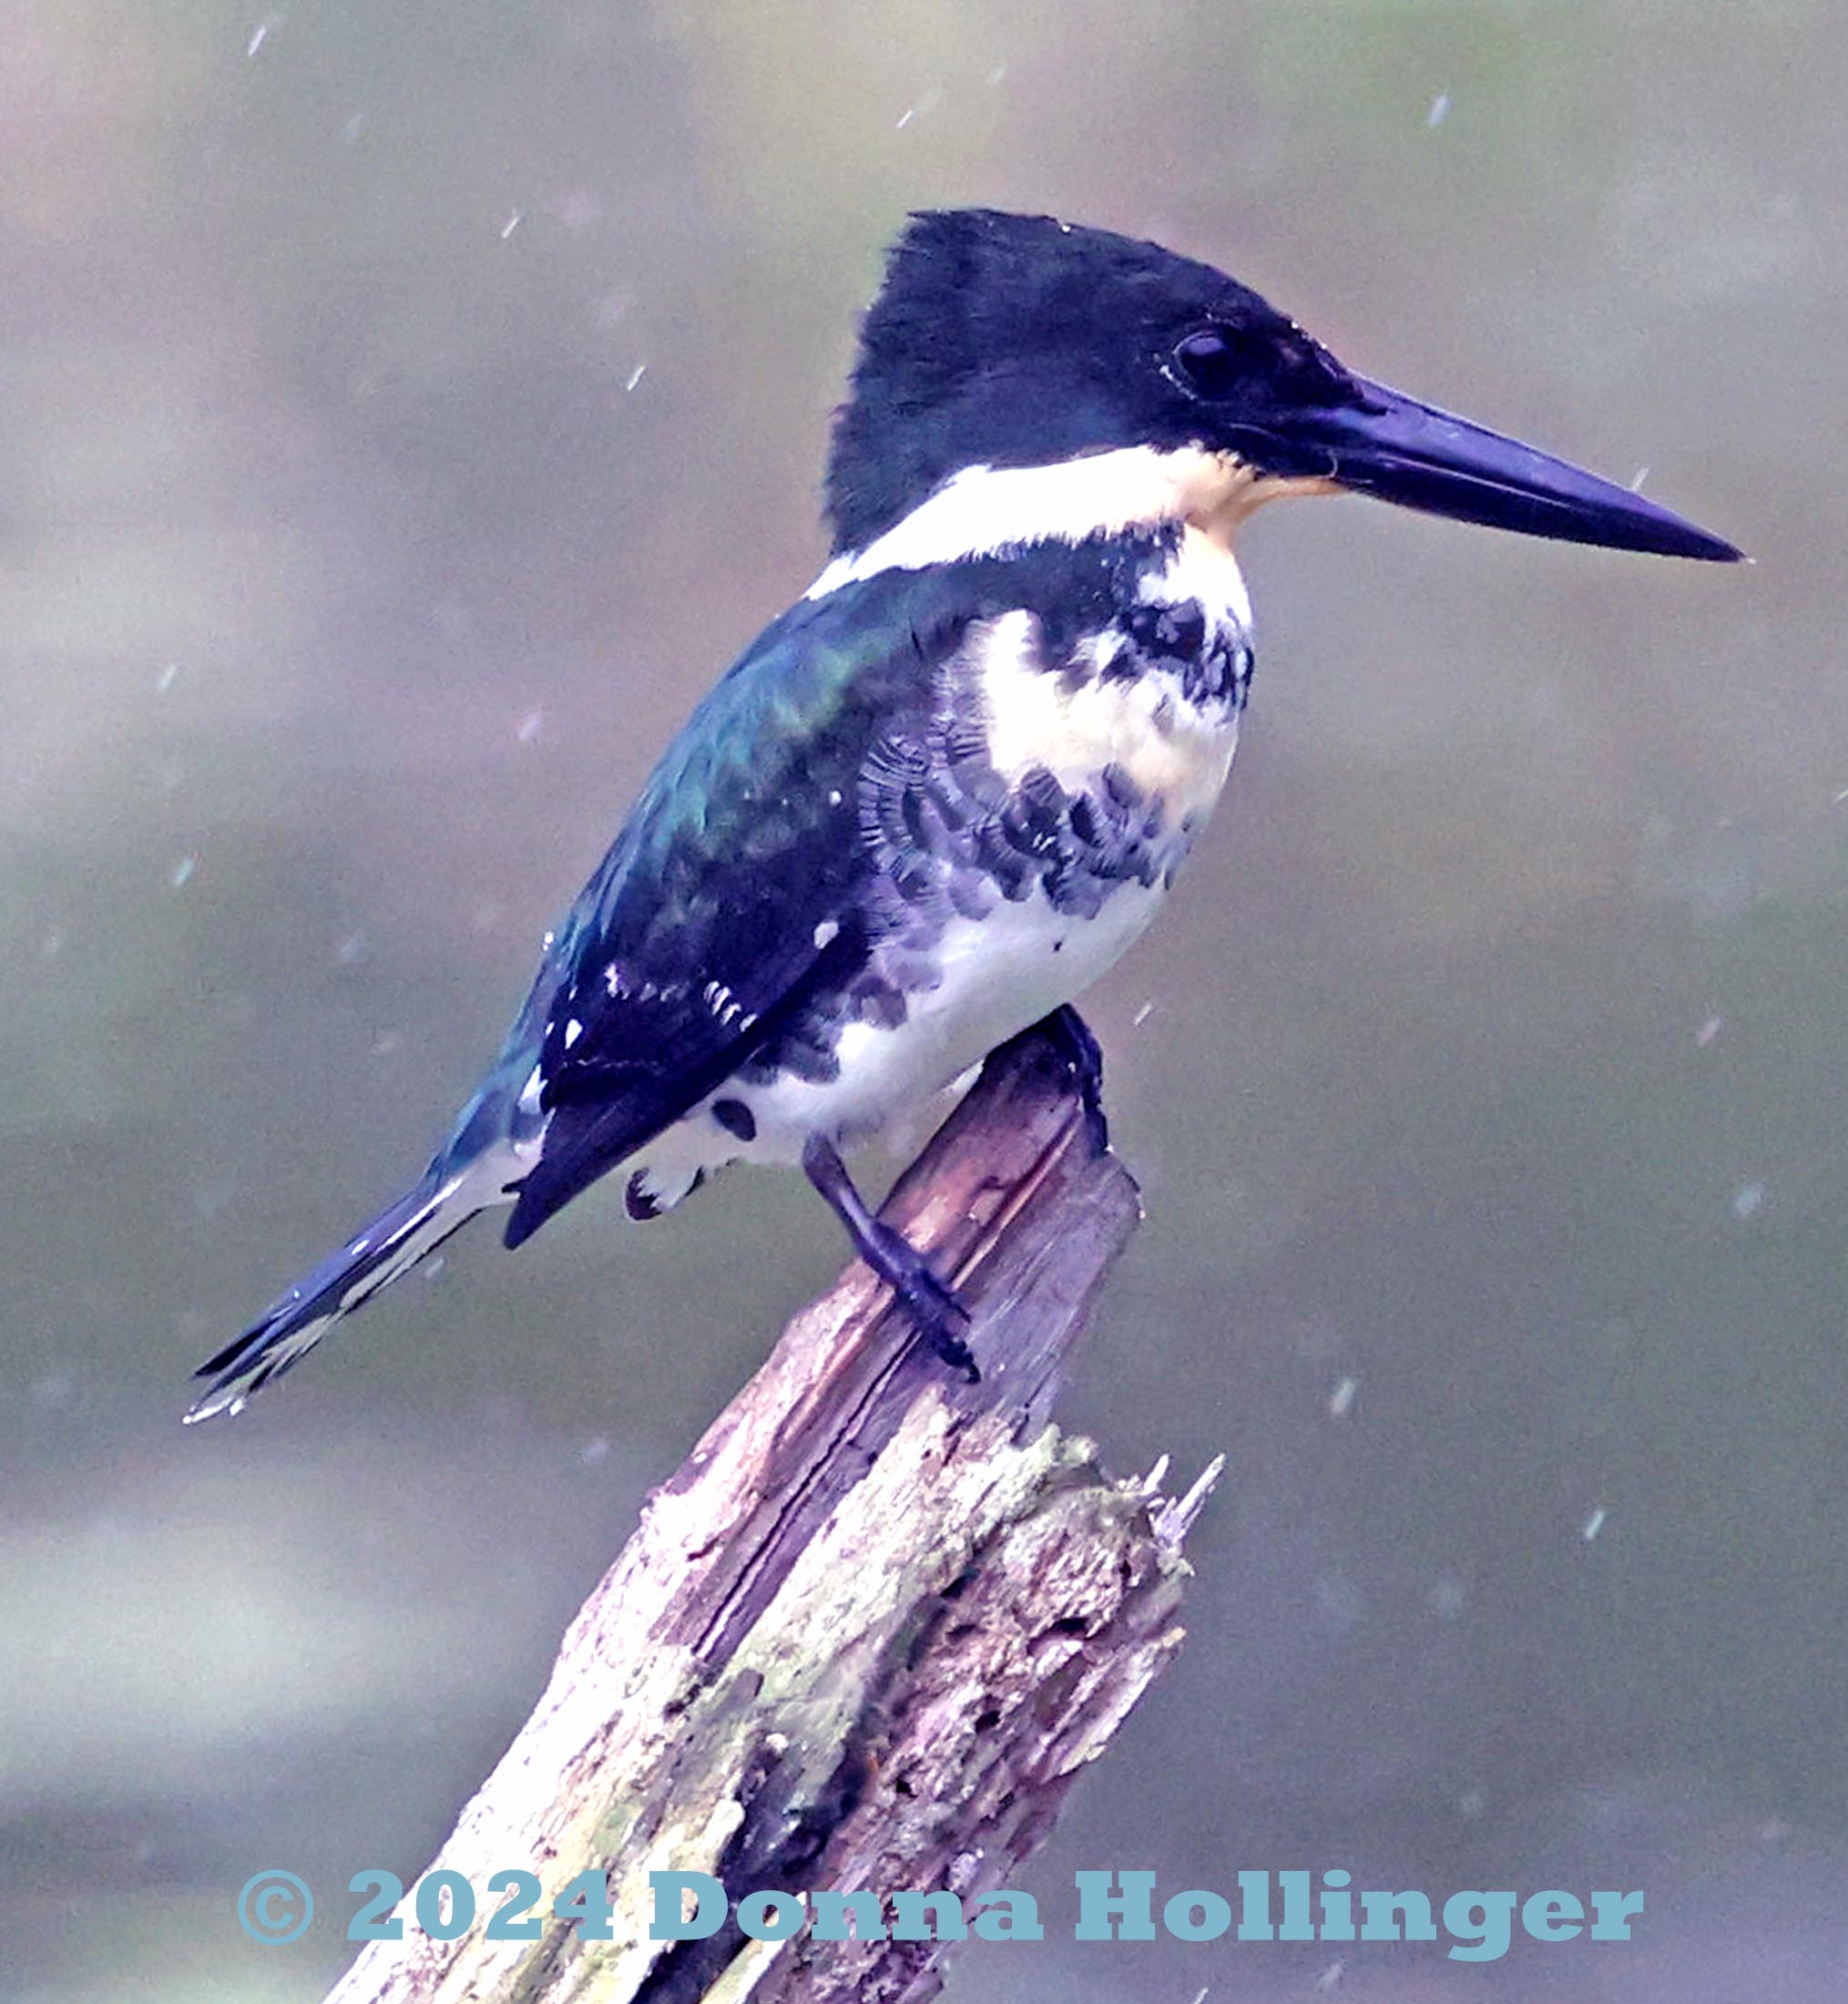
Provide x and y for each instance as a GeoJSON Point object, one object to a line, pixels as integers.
{"type": "Point", "coordinates": [927, 103]}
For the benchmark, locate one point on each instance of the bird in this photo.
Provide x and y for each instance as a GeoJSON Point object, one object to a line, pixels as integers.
{"type": "Point", "coordinates": [947, 788]}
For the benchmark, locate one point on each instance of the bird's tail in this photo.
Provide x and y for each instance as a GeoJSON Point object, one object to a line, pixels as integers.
{"type": "Point", "coordinates": [295, 1322]}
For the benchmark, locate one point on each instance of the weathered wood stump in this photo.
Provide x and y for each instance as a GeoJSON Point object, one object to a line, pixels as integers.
{"type": "Point", "coordinates": [867, 1635]}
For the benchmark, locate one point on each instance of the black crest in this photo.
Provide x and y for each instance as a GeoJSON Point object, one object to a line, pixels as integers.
{"type": "Point", "coordinates": [1007, 340]}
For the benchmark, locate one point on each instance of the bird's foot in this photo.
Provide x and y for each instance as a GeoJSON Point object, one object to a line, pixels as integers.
{"type": "Point", "coordinates": [1070, 1037]}
{"type": "Point", "coordinates": [941, 1318]}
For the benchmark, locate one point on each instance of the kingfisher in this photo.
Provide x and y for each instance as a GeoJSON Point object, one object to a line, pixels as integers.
{"type": "Point", "coordinates": [945, 790]}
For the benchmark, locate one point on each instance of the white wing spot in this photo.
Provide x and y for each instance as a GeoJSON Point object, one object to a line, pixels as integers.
{"type": "Point", "coordinates": [725, 1006]}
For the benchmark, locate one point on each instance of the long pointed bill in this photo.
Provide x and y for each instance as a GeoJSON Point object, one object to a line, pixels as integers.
{"type": "Point", "coordinates": [1401, 450]}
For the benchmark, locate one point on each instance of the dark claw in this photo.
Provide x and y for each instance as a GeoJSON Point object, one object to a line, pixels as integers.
{"type": "Point", "coordinates": [940, 1333]}
{"type": "Point", "coordinates": [955, 1352]}
{"type": "Point", "coordinates": [940, 1317]}
{"type": "Point", "coordinates": [1070, 1035]}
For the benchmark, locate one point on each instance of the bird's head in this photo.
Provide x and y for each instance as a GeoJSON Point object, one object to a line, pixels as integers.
{"type": "Point", "coordinates": [1147, 384]}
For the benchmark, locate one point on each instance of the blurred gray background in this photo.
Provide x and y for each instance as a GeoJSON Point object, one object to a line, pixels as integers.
{"type": "Point", "coordinates": [407, 411]}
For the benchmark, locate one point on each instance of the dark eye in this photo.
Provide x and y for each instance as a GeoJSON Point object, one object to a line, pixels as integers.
{"type": "Point", "coordinates": [1213, 362]}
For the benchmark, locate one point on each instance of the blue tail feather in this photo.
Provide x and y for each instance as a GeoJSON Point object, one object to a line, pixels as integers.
{"type": "Point", "coordinates": [400, 1236]}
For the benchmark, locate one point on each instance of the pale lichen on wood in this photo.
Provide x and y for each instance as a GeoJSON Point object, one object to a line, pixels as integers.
{"type": "Point", "coordinates": [869, 1633]}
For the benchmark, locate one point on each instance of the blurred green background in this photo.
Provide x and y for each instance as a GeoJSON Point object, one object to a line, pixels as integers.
{"type": "Point", "coordinates": [404, 412]}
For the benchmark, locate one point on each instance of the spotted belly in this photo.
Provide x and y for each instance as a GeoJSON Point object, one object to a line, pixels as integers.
{"type": "Point", "coordinates": [1023, 837]}
{"type": "Point", "coordinates": [984, 981]}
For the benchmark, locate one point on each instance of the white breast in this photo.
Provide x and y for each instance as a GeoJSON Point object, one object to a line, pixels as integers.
{"type": "Point", "coordinates": [1174, 751]}
{"type": "Point", "coordinates": [997, 975]}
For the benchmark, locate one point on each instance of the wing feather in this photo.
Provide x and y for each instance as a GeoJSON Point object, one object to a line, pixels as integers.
{"type": "Point", "coordinates": [733, 896]}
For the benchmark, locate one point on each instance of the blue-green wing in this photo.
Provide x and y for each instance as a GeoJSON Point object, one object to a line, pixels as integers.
{"type": "Point", "coordinates": [733, 895]}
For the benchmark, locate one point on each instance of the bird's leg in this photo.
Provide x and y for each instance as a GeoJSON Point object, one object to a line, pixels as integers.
{"type": "Point", "coordinates": [937, 1311]}
{"type": "Point", "coordinates": [1070, 1035]}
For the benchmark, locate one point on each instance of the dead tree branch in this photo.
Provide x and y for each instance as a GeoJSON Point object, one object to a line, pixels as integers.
{"type": "Point", "coordinates": [865, 1637]}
